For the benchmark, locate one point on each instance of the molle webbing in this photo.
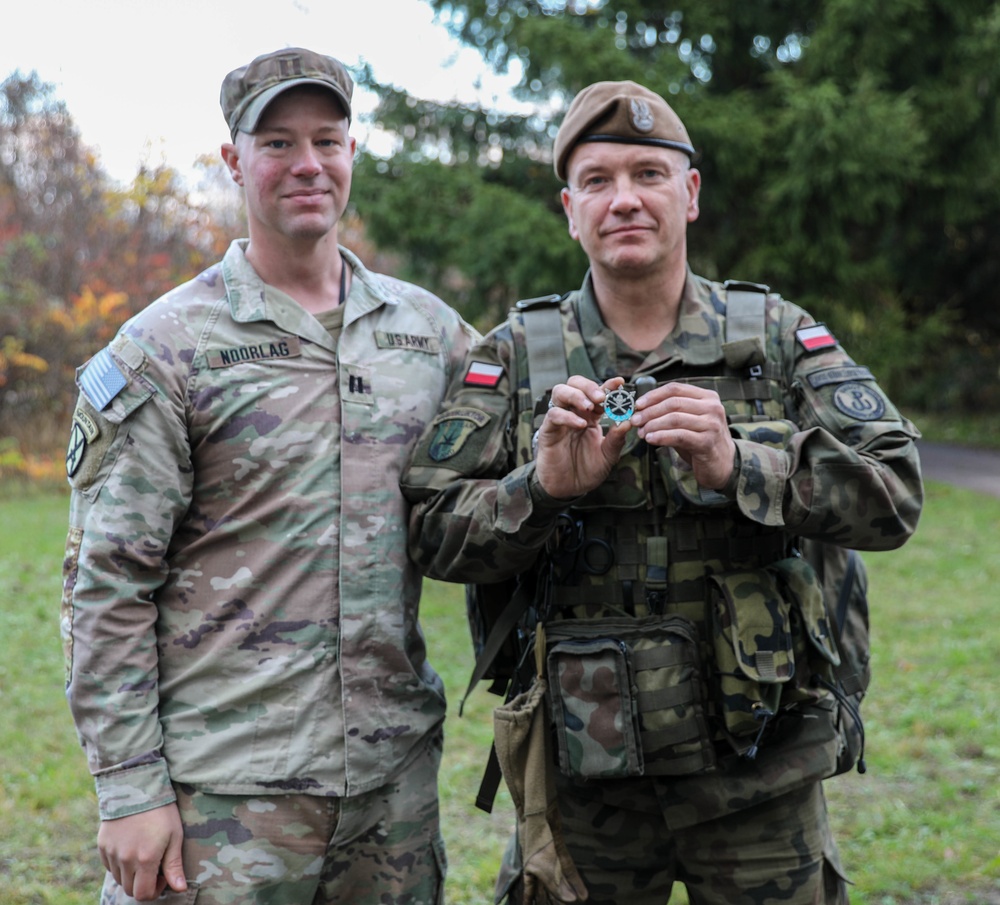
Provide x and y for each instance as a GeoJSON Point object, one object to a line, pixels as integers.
{"type": "Point", "coordinates": [738, 389]}
{"type": "Point", "coordinates": [661, 559]}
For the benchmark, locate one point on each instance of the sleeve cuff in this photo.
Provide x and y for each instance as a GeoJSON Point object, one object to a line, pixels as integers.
{"type": "Point", "coordinates": [134, 790]}
{"type": "Point", "coordinates": [732, 486]}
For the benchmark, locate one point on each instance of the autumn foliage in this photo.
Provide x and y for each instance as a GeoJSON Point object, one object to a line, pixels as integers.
{"type": "Point", "coordinates": [78, 255]}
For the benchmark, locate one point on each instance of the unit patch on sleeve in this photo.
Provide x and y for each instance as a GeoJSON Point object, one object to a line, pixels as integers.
{"type": "Point", "coordinates": [483, 374]}
{"type": "Point", "coordinates": [858, 400]}
{"type": "Point", "coordinates": [815, 337]}
{"type": "Point", "coordinates": [85, 430]}
{"type": "Point", "coordinates": [452, 430]}
{"type": "Point", "coordinates": [101, 380]}
{"type": "Point", "coordinates": [285, 347]}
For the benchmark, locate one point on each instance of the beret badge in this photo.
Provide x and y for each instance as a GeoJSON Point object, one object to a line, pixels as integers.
{"type": "Point", "coordinates": [641, 115]}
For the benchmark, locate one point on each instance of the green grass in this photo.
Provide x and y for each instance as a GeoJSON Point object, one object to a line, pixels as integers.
{"type": "Point", "coordinates": [922, 827]}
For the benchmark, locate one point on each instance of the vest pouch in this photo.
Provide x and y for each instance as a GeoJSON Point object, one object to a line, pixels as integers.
{"type": "Point", "coordinates": [663, 709]}
{"type": "Point", "coordinates": [594, 709]}
{"type": "Point", "coordinates": [753, 646]}
{"type": "Point", "coordinates": [815, 646]}
{"type": "Point", "coordinates": [801, 586]}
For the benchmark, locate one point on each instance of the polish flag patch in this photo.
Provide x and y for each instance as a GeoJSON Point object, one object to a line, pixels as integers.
{"type": "Point", "coordinates": [481, 374]}
{"type": "Point", "coordinates": [815, 337]}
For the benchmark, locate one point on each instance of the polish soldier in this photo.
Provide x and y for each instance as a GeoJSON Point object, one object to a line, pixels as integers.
{"type": "Point", "coordinates": [646, 459]}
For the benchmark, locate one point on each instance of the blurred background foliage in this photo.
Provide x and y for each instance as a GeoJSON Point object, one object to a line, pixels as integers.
{"type": "Point", "coordinates": [848, 153]}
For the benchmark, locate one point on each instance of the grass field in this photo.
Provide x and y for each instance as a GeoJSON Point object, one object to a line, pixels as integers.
{"type": "Point", "coordinates": [922, 826]}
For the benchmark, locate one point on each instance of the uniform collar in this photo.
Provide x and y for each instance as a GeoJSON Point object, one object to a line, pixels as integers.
{"type": "Point", "coordinates": [696, 340]}
{"type": "Point", "coordinates": [251, 299]}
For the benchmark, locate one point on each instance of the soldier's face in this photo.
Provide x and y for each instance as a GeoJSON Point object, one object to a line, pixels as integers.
{"type": "Point", "coordinates": [296, 168]}
{"type": "Point", "coordinates": [629, 205]}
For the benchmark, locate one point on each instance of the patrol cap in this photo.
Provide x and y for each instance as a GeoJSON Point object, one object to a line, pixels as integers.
{"type": "Point", "coordinates": [247, 91]}
{"type": "Point", "coordinates": [623, 112]}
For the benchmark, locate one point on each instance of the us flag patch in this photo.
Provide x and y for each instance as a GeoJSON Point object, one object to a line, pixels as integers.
{"type": "Point", "coordinates": [815, 337]}
{"type": "Point", "coordinates": [481, 374]}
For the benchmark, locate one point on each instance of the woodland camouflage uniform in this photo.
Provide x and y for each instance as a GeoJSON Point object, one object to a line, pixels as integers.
{"type": "Point", "coordinates": [822, 453]}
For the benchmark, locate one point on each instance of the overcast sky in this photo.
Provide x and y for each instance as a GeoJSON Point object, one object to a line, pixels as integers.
{"type": "Point", "coordinates": [141, 78]}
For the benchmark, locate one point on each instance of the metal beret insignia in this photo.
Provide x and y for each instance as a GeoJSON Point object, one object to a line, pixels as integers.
{"type": "Point", "coordinates": [641, 115]}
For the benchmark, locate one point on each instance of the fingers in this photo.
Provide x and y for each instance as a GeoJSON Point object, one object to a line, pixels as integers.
{"type": "Point", "coordinates": [677, 408]}
{"type": "Point", "coordinates": [173, 863]}
{"type": "Point", "coordinates": [582, 397]}
{"type": "Point", "coordinates": [143, 852]}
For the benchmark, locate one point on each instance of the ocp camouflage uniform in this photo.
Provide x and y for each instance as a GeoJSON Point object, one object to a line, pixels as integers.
{"type": "Point", "coordinates": [239, 613]}
{"type": "Point", "coordinates": [682, 627]}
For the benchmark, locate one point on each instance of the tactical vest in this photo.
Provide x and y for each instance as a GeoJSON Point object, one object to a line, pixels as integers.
{"type": "Point", "coordinates": [676, 631]}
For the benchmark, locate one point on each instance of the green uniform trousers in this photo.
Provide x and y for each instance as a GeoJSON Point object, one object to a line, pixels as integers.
{"type": "Point", "coordinates": [780, 852]}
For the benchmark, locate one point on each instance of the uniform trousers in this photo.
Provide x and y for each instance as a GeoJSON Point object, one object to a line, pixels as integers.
{"type": "Point", "coordinates": [370, 849]}
{"type": "Point", "coordinates": [779, 852]}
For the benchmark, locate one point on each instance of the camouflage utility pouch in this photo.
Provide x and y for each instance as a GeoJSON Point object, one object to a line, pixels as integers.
{"type": "Point", "coordinates": [766, 622]}
{"type": "Point", "coordinates": [627, 697]}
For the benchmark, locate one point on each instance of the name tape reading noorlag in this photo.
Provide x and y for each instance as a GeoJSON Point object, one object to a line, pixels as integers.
{"type": "Point", "coordinates": [101, 380]}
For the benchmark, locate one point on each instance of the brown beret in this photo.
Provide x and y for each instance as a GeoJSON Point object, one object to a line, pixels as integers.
{"type": "Point", "coordinates": [623, 112]}
{"type": "Point", "coordinates": [247, 91]}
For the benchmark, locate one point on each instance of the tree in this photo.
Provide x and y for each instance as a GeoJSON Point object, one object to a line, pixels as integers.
{"type": "Point", "coordinates": [78, 254]}
{"type": "Point", "coordinates": [847, 151]}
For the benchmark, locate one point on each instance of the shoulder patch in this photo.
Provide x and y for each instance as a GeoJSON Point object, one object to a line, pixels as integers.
{"type": "Point", "coordinates": [838, 375]}
{"type": "Point", "coordinates": [815, 337]}
{"type": "Point", "coordinates": [451, 431]}
{"type": "Point", "coordinates": [483, 374]}
{"type": "Point", "coordinates": [101, 380]}
{"type": "Point", "coordinates": [860, 401]}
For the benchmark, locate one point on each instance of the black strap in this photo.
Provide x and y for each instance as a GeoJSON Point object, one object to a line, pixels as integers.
{"type": "Point", "coordinates": [502, 628]}
{"type": "Point", "coordinates": [492, 775]}
{"type": "Point", "coordinates": [844, 598]}
{"type": "Point", "coordinates": [849, 680]}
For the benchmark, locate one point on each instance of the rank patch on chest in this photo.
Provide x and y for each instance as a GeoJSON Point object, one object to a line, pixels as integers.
{"type": "Point", "coordinates": [102, 380]}
{"type": "Point", "coordinates": [815, 337]}
{"type": "Point", "coordinates": [483, 374]}
{"type": "Point", "coordinates": [266, 350]}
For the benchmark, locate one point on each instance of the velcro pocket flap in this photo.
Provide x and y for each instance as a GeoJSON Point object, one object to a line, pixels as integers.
{"type": "Point", "coordinates": [753, 627]}
{"type": "Point", "coordinates": [803, 589]}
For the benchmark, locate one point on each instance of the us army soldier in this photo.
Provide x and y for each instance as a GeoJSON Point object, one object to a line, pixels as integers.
{"type": "Point", "coordinates": [245, 666]}
{"type": "Point", "coordinates": [655, 502]}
